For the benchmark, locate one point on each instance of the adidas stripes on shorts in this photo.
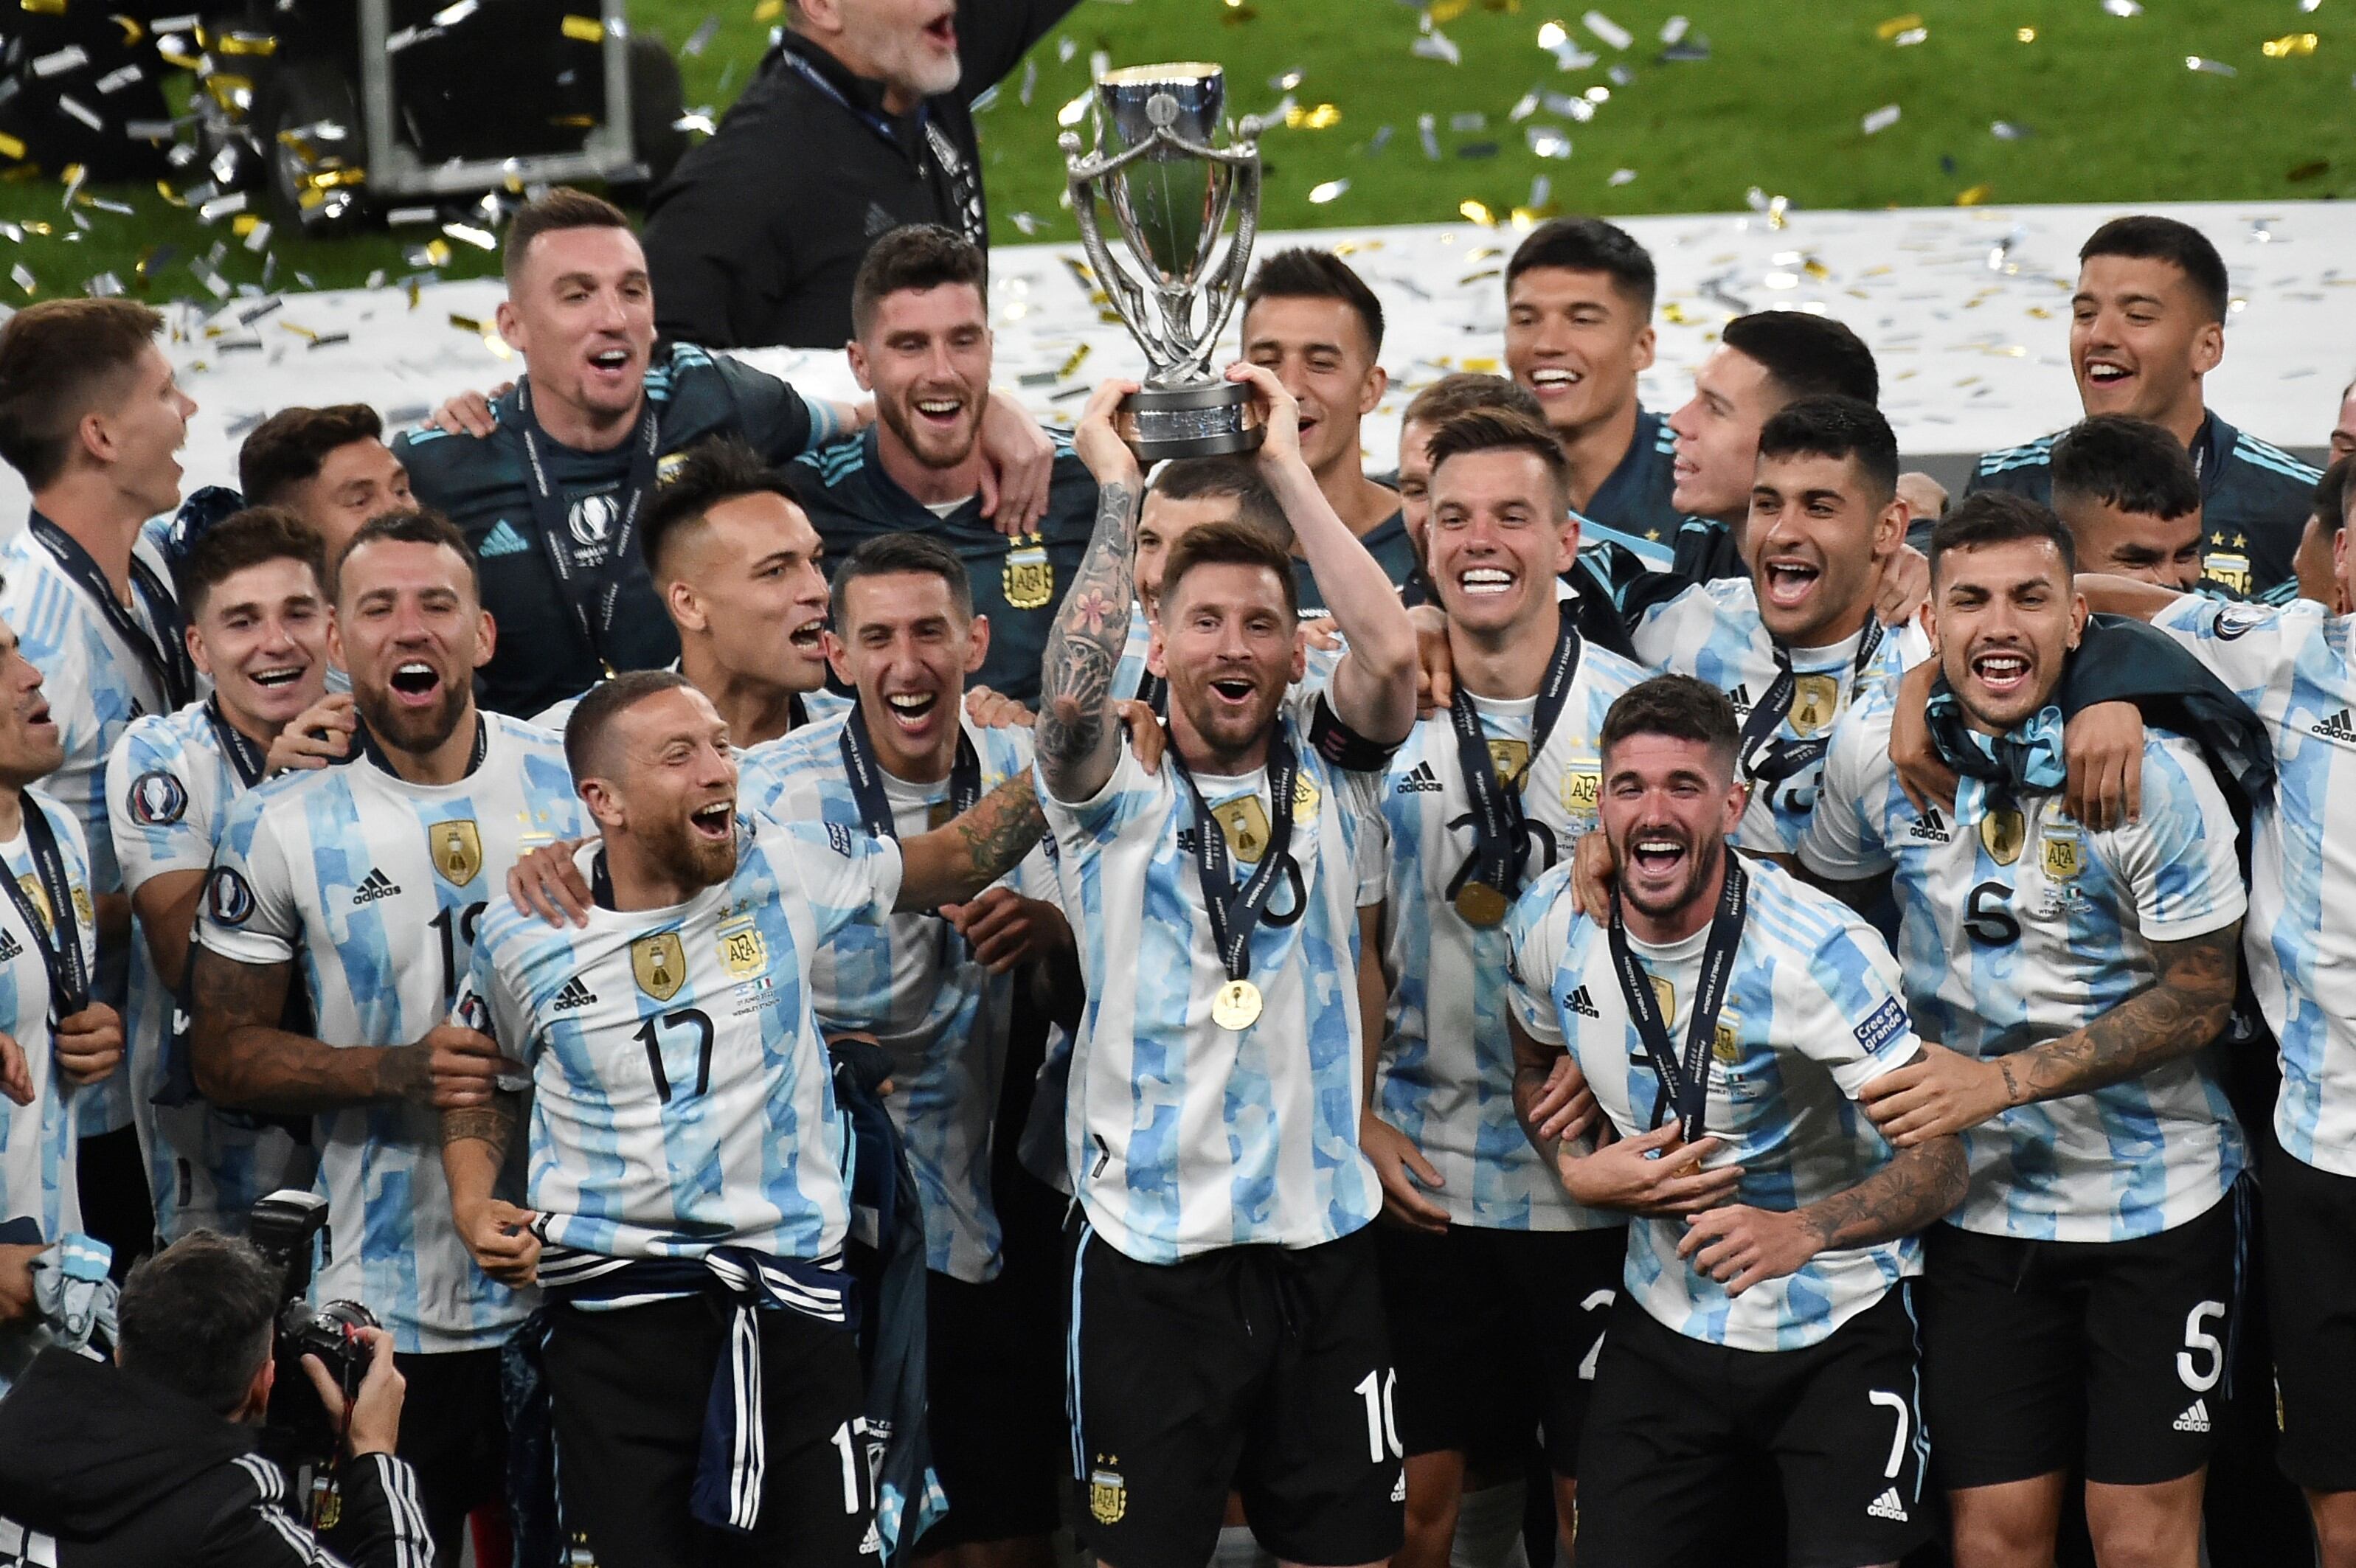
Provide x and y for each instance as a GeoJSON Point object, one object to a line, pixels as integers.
{"type": "Point", "coordinates": [2041, 1355]}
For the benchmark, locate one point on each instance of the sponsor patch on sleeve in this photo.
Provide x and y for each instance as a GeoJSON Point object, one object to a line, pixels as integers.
{"type": "Point", "coordinates": [839, 836]}
{"type": "Point", "coordinates": [1884, 1024]}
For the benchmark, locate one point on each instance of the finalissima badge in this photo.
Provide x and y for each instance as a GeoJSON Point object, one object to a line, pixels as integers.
{"type": "Point", "coordinates": [457, 849]}
{"type": "Point", "coordinates": [659, 964]}
{"type": "Point", "coordinates": [2003, 831]}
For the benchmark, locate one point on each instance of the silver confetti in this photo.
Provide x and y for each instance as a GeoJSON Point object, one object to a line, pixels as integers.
{"type": "Point", "coordinates": [1436, 45]}
{"type": "Point", "coordinates": [1524, 107]}
{"type": "Point", "coordinates": [1880, 120]}
{"type": "Point", "coordinates": [1674, 29]}
{"type": "Point", "coordinates": [61, 61]}
{"type": "Point", "coordinates": [1609, 31]}
{"type": "Point", "coordinates": [2123, 7]}
{"type": "Point", "coordinates": [451, 16]}
{"type": "Point", "coordinates": [2006, 130]}
{"type": "Point", "coordinates": [1065, 50]}
{"type": "Point", "coordinates": [116, 80]}
{"type": "Point", "coordinates": [1546, 142]}
{"type": "Point", "coordinates": [700, 39]}
{"type": "Point", "coordinates": [1425, 127]}
{"type": "Point", "coordinates": [81, 111]}
{"type": "Point", "coordinates": [1468, 119]}
{"type": "Point", "coordinates": [2213, 68]}
{"type": "Point", "coordinates": [1030, 82]}
{"type": "Point", "coordinates": [1319, 195]}
{"type": "Point", "coordinates": [1621, 177]}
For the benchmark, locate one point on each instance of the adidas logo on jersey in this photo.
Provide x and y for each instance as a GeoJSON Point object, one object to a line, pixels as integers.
{"type": "Point", "coordinates": [1583, 1005]}
{"type": "Point", "coordinates": [1740, 697]}
{"type": "Point", "coordinates": [576, 994]}
{"type": "Point", "coordinates": [1421, 781]}
{"type": "Point", "coordinates": [1932, 828]}
{"type": "Point", "coordinates": [503, 540]}
{"type": "Point", "coordinates": [2340, 726]}
{"type": "Point", "coordinates": [1888, 1506]}
{"type": "Point", "coordinates": [10, 948]}
{"type": "Point", "coordinates": [872, 1544]}
{"type": "Point", "coordinates": [2195, 1419]}
{"type": "Point", "coordinates": [374, 886]}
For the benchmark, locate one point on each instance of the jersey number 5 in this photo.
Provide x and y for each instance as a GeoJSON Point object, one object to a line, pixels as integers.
{"type": "Point", "coordinates": [650, 1035]}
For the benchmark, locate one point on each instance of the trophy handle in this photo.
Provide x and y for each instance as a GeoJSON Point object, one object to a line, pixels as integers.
{"type": "Point", "coordinates": [1127, 296]}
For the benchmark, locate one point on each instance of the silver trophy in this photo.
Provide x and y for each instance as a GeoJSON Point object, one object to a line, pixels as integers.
{"type": "Point", "coordinates": [1171, 191]}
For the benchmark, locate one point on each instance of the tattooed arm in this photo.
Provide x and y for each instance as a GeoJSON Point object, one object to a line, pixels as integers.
{"type": "Point", "coordinates": [1741, 1246]}
{"type": "Point", "coordinates": [474, 1147]}
{"type": "Point", "coordinates": [244, 1061]}
{"type": "Point", "coordinates": [1076, 744]}
{"type": "Point", "coordinates": [2184, 1010]}
{"type": "Point", "coordinates": [956, 860]}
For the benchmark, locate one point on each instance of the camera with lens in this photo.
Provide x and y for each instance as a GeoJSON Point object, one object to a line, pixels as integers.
{"type": "Point", "coordinates": [282, 1226]}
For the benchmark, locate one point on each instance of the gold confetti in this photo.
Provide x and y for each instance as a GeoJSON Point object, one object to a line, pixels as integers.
{"type": "Point", "coordinates": [1481, 366]}
{"type": "Point", "coordinates": [1327, 191]}
{"type": "Point", "coordinates": [1325, 116]}
{"type": "Point", "coordinates": [585, 29]}
{"type": "Point", "coordinates": [246, 44]}
{"type": "Point", "coordinates": [1896, 24]}
{"type": "Point", "coordinates": [768, 10]}
{"type": "Point", "coordinates": [242, 224]}
{"type": "Point", "coordinates": [2288, 45]}
{"type": "Point", "coordinates": [1071, 365]}
{"type": "Point", "coordinates": [11, 147]}
{"type": "Point", "coordinates": [465, 322]}
{"type": "Point", "coordinates": [1974, 196]}
{"type": "Point", "coordinates": [1477, 212]}
{"type": "Point", "coordinates": [1675, 314]}
{"type": "Point", "coordinates": [2025, 35]}
{"type": "Point", "coordinates": [1443, 12]}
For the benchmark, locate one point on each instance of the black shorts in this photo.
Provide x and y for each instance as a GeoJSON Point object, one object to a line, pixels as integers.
{"type": "Point", "coordinates": [1494, 1333]}
{"type": "Point", "coordinates": [2312, 1303]}
{"type": "Point", "coordinates": [1676, 1425]}
{"type": "Point", "coordinates": [2104, 1356]}
{"type": "Point", "coordinates": [628, 1390]}
{"type": "Point", "coordinates": [453, 1432]}
{"type": "Point", "coordinates": [996, 1425]}
{"type": "Point", "coordinates": [1261, 1371]}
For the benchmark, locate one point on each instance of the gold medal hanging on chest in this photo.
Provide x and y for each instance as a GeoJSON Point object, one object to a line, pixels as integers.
{"type": "Point", "coordinates": [1478, 903]}
{"type": "Point", "coordinates": [1237, 1006]}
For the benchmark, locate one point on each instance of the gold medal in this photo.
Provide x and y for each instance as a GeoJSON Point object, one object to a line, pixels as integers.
{"type": "Point", "coordinates": [1480, 904]}
{"type": "Point", "coordinates": [1237, 1006]}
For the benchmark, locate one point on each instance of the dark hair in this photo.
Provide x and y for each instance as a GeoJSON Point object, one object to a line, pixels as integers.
{"type": "Point", "coordinates": [1502, 430]}
{"type": "Point", "coordinates": [1588, 245]}
{"type": "Point", "coordinates": [2147, 238]}
{"type": "Point", "coordinates": [57, 359]}
{"type": "Point", "coordinates": [889, 554]}
{"type": "Point", "coordinates": [585, 730]}
{"type": "Point", "coordinates": [1303, 273]}
{"type": "Point", "coordinates": [249, 537]}
{"type": "Point", "coordinates": [1228, 544]}
{"type": "Point", "coordinates": [716, 469]}
{"type": "Point", "coordinates": [564, 208]}
{"type": "Point", "coordinates": [1834, 426]}
{"type": "Point", "coordinates": [1999, 517]}
{"type": "Point", "coordinates": [1462, 391]}
{"type": "Point", "coordinates": [1806, 355]}
{"type": "Point", "coordinates": [2331, 492]}
{"type": "Point", "coordinates": [195, 1318]}
{"type": "Point", "coordinates": [417, 525]}
{"type": "Point", "coordinates": [1201, 478]}
{"type": "Point", "coordinates": [1678, 707]}
{"type": "Point", "coordinates": [288, 448]}
{"type": "Point", "coordinates": [2125, 463]}
{"type": "Point", "coordinates": [916, 256]}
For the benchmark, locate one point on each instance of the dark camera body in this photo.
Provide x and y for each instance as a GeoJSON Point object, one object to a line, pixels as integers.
{"type": "Point", "coordinates": [282, 1226]}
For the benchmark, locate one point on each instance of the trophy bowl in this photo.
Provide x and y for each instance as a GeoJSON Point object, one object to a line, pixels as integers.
{"type": "Point", "coordinates": [1171, 175]}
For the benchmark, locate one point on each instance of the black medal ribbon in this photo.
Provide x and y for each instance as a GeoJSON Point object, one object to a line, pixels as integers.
{"type": "Point", "coordinates": [1234, 912]}
{"type": "Point", "coordinates": [165, 655]}
{"type": "Point", "coordinates": [1685, 1082]}
{"type": "Point", "coordinates": [1768, 760]}
{"type": "Point", "coordinates": [875, 806]}
{"type": "Point", "coordinates": [1500, 849]}
{"type": "Point", "coordinates": [248, 761]}
{"type": "Point", "coordinates": [375, 753]}
{"type": "Point", "coordinates": [592, 595]}
{"type": "Point", "coordinates": [59, 944]}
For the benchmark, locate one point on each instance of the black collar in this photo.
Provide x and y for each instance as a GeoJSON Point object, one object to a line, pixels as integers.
{"type": "Point", "coordinates": [864, 94]}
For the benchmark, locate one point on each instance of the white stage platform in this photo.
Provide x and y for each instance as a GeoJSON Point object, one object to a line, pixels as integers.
{"type": "Point", "coordinates": [1966, 309]}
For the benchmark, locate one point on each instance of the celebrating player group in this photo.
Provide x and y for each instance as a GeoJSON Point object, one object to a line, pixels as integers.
{"type": "Point", "coordinates": [1648, 990]}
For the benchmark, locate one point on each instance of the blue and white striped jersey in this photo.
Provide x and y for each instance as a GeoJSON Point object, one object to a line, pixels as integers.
{"type": "Point", "coordinates": [1182, 1136]}
{"type": "Point", "coordinates": [2018, 927]}
{"type": "Point", "coordinates": [2294, 666]}
{"type": "Point", "coordinates": [96, 685]}
{"type": "Point", "coordinates": [1713, 632]}
{"type": "Point", "coordinates": [38, 1139]}
{"type": "Point", "coordinates": [1445, 1077]}
{"type": "Point", "coordinates": [681, 1096]}
{"type": "Point", "coordinates": [1811, 1016]}
{"type": "Point", "coordinates": [168, 788]}
{"type": "Point", "coordinates": [373, 888]}
{"type": "Point", "coordinates": [910, 981]}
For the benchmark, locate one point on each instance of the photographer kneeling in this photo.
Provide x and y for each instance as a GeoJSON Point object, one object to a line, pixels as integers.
{"type": "Point", "coordinates": [152, 1461]}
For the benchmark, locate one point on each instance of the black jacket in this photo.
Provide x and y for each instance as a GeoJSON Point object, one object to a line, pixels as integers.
{"type": "Point", "coordinates": [754, 238]}
{"type": "Point", "coordinates": [114, 1469]}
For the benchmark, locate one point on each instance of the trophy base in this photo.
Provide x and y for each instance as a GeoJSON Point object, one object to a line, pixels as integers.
{"type": "Point", "coordinates": [1210, 421]}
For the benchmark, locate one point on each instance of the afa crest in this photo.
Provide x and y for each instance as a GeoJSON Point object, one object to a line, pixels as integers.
{"type": "Point", "coordinates": [1726, 1046]}
{"type": "Point", "coordinates": [456, 849]}
{"type": "Point", "coordinates": [659, 964]}
{"type": "Point", "coordinates": [1583, 791]}
{"type": "Point", "coordinates": [743, 953]}
{"type": "Point", "coordinates": [1304, 801]}
{"type": "Point", "coordinates": [1108, 1495]}
{"type": "Point", "coordinates": [1029, 578]}
{"type": "Point", "coordinates": [2064, 853]}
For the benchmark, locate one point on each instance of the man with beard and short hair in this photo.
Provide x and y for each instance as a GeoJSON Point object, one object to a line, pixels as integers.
{"type": "Point", "coordinates": [1484, 1248]}
{"type": "Point", "coordinates": [1313, 322]}
{"type": "Point", "coordinates": [2072, 980]}
{"type": "Point", "coordinates": [91, 416]}
{"type": "Point", "coordinates": [1578, 331]}
{"type": "Point", "coordinates": [1211, 1137]}
{"type": "Point", "coordinates": [330, 466]}
{"type": "Point", "coordinates": [1796, 640]}
{"type": "Point", "coordinates": [368, 880]}
{"type": "Point", "coordinates": [2147, 324]}
{"type": "Point", "coordinates": [550, 484]}
{"type": "Point", "coordinates": [862, 110]}
{"type": "Point", "coordinates": [53, 1037]}
{"type": "Point", "coordinates": [735, 560]}
{"type": "Point", "coordinates": [921, 309]}
{"type": "Point", "coordinates": [2130, 498]}
{"type": "Point", "coordinates": [254, 590]}
{"type": "Point", "coordinates": [687, 1205]}
{"type": "Point", "coordinates": [1720, 1018]}
{"type": "Point", "coordinates": [938, 989]}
